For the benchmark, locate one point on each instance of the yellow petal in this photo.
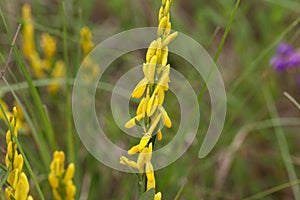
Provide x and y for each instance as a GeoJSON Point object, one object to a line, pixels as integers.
{"type": "Point", "coordinates": [149, 171]}
{"type": "Point", "coordinates": [18, 161]}
{"type": "Point", "coordinates": [48, 44]}
{"type": "Point", "coordinates": [150, 104]}
{"type": "Point", "coordinates": [159, 135]}
{"type": "Point", "coordinates": [126, 161]}
{"type": "Point", "coordinates": [167, 7]}
{"type": "Point", "coordinates": [22, 188]}
{"type": "Point", "coordinates": [154, 107]}
{"type": "Point", "coordinates": [13, 177]}
{"type": "Point", "coordinates": [70, 191]}
{"type": "Point", "coordinates": [150, 176]}
{"type": "Point", "coordinates": [144, 109]}
{"type": "Point", "coordinates": [139, 109]}
{"type": "Point", "coordinates": [131, 122]}
{"type": "Point", "coordinates": [151, 183]}
{"type": "Point", "coordinates": [154, 124]}
{"type": "Point", "coordinates": [160, 13]}
{"type": "Point", "coordinates": [140, 88]}
{"type": "Point", "coordinates": [153, 59]}
{"type": "Point", "coordinates": [141, 160]}
{"type": "Point", "coordinates": [144, 141]}
{"type": "Point", "coordinates": [157, 196]}
{"type": "Point", "coordinates": [158, 50]}
{"type": "Point", "coordinates": [29, 197]}
{"type": "Point", "coordinates": [69, 173]}
{"type": "Point", "coordinates": [165, 79]}
{"type": "Point", "coordinates": [59, 71]}
{"type": "Point", "coordinates": [8, 137]}
{"type": "Point", "coordinates": [149, 69]}
{"type": "Point", "coordinates": [151, 50]}
{"type": "Point", "coordinates": [147, 151]}
{"type": "Point", "coordinates": [8, 192]}
{"type": "Point", "coordinates": [162, 25]}
{"type": "Point", "coordinates": [15, 111]}
{"type": "Point", "coordinates": [170, 38]}
{"type": "Point", "coordinates": [160, 95]}
{"type": "Point", "coordinates": [167, 30]}
{"type": "Point", "coordinates": [165, 117]}
{"type": "Point", "coordinates": [53, 180]}
{"type": "Point", "coordinates": [86, 40]}
{"type": "Point", "coordinates": [133, 150]}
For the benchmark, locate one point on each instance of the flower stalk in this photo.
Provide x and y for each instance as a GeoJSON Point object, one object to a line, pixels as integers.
{"type": "Point", "coordinates": [60, 179]}
{"type": "Point", "coordinates": [151, 90]}
{"type": "Point", "coordinates": [18, 185]}
{"type": "Point", "coordinates": [46, 65]}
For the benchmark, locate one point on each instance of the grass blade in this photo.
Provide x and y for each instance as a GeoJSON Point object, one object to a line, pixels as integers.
{"type": "Point", "coordinates": [283, 145]}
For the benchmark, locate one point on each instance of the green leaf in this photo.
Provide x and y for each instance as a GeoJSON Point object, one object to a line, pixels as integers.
{"type": "Point", "coordinates": [148, 195]}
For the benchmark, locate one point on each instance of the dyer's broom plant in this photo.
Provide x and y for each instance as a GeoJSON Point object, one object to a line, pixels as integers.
{"type": "Point", "coordinates": [151, 92]}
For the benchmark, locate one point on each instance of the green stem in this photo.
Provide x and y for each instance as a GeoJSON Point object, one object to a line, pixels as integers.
{"type": "Point", "coordinates": [3, 167]}
{"type": "Point", "coordinates": [70, 140]}
{"type": "Point", "coordinates": [35, 96]}
{"type": "Point", "coordinates": [220, 47]}
{"type": "Point", "coordinates": [272, 190]}
{"type": "Point", "coordinates": [283, 145]}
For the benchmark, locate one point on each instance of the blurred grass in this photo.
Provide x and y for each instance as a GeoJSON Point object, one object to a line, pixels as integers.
{"type": "Point", "coordinates": [257, 165]}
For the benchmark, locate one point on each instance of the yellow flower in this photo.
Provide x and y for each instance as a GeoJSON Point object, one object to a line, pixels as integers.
{"type": "Point", "coordinates": [157, 196]}
{"type": "Point", "coordinates": [5, 109]}
{"type": "Point", "coordinates": [60, 179]}
{"type": "Point", "coordinates": [131, 123]}
{"type": "Point", "coordinates": [159, 135]}
{"type": "Point", "coordinates": [58, 72]}
{"type": "Point", "coordinates": [48, 44]}
{"type": "Point", "coordinates": [144, 141]}
{"type": "Point", "coordinates": [28, 46]}
{"type": "Point", "coordinates": [133, 150]}
{"type": "Point", "coordinates": [86, 40]}
{"type": "Point", "coordinates": [38, 66]}
{"type": "Point", "coordinates": [140, 88]}
{"type": "Point", "coordinates": [150, 176]}
{"type": "Point", "coordinates": [126, 161]}
{"type": "Point", "coordinates": [20, 124]}
{"type": "Point", "coordinates": [41, 66]}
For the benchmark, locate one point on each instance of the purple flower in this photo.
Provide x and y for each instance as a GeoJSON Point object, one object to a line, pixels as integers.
{"type": "Point", "coordinates": [278, 63]}
{"type": "Point", "coordinates": [284, 48]}
{"type": "Point", "coordinates": [294, 59]}
{"type": "Point", "coordinates": [286, 57]}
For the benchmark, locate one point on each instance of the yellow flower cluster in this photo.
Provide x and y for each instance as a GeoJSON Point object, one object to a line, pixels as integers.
{"type": "Point", "coordinates": [91, 69]}
{"type": "Point", "coordinates": [47, 65]}
{"type": "Point", "coordinates": [19, 120]}
{"type": "Point", "coordinates": [61, 179]}
{"type": "Point", "coordinates": [151, 89]}
{"type": "Point", "coordinates": [18, 188]}
{"type": "Point", "coordinates": [86, 41]}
